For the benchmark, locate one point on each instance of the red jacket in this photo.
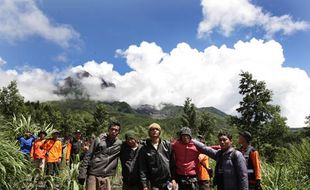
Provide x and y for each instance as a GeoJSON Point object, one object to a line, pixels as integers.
{"type": "Point", "coordinates": [186, 158]}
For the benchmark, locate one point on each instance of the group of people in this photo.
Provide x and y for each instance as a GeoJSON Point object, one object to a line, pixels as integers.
{"type": "Point", "coordinates": [47, 154]}
{"type": "Point", "coordinates": [158, 164]}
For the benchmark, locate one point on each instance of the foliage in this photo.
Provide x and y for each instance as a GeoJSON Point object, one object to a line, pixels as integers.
{"type": "Point", "coordinates": [101, 119]}
{"type": "Point", "coordinates": [257, 115]}
{"type": "Point", "coordinates": [14, 168]}
{"type": "Point", "coordinates": [19, 125]}
{"type": "Point", "coordinates": [291, 171]}
{"type": "Point", "coordinates": [189, 117]}
{"type": "Point", "coordinates": [207, 127]}
{"type": "Point", "coordinates": [11, 102]}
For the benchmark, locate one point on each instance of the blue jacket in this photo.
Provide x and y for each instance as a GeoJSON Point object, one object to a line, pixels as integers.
{"type": "Point", "coordinates": [235, 175]}
{"type": "Point", "coordinates": [25, 144]}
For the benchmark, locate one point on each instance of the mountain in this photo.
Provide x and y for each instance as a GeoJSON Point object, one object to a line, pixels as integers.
{"type": "Point", "coordinates": [73, 88]}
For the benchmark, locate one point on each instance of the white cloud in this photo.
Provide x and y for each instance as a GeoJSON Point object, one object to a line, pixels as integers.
{"type": "Point", "coordinates": [2, 61]}
{"type": "Point", "coordinates": [210, 77]}
{"type": "Point", "coordinates": [20, 19]}
{"type": "Point", "coordinates": [226, 15]}
{"type": "Point", "coordinates": [34, 84]}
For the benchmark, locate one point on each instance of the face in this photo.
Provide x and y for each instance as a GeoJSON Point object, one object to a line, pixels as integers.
{"type": "Point", "coordinates": [242, 140]}
{"type": "Point", "coordinates": [131, 142]}
{"type": "Point", "coordinates": [27, 134]}
{"type": "Point", "coordinates": [154, 132]}
{"type": "Point", "coordinates": [42, 135]}
{"type": "Point", "coordinates": [185, 139]}
{"type": "Point", "coordinates": [55, 135]}
{"type": "Point", "coordinates": [225, 142]}
{"type": "Point", "coordinates": [78, 135]}
{"type": "Point", "coordinates": [114, 131]}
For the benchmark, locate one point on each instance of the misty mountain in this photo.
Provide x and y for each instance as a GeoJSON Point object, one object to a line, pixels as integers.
{"type": "Point", "coordinates": [72, 87]}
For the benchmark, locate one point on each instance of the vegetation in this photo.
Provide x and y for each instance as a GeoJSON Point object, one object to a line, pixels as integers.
{"type": "Point", "coordinates": [285, 153]}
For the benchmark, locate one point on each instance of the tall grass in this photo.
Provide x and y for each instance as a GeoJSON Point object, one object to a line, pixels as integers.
{"type": "Point", "coordinates": [14, 168]}
{"type": "Point", "coordinates": [291, 172]}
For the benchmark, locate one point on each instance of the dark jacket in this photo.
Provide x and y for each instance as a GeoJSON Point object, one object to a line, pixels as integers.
{"type": "Point", "coordinates": [157, 166]}
{"type": "Point", "coordinates": [102, 157]}
{"type": "Point", "coordinates": [130, 164]}
{"type": "Point", "coordinates": [233, 165]}
{"type": "Point", "coordinates": [76, 146]}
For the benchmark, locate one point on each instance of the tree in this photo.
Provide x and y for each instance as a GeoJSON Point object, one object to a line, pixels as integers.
{"type": "Point", "coordinates": [207, 126]}
{"type": "Point", "coordinates": [307, 128]}
{"type": "Point", "coordinates": [11, 102]}
{"type": "Point", "coordinates": [189, 117]}
{"type": "Point", "coordinates": [101, 119]}
{"type": "Point", "coordinates": [257, 115]}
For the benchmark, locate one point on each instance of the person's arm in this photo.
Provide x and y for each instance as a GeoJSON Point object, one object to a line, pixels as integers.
{"type": "Point", "coordinates": [143, 168]}
{"type": "Point", "coordinates": [242, 171]}
{"type": "Point", "coordinates": [173, 167]}
{"type": "Point", "coordinates": [68, 153]}
{"type": "Point", "coordinates": [85, 162]}
{"type": "Point", "coordinates": [254, 156]}
{"type": "Point", "coordinates": [204, 149]}
{"type": "Point", "coordinates": [32, 150]}
{"type": "Point", "coordinates": [59, 150]}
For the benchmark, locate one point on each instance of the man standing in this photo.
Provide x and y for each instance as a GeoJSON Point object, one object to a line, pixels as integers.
{"type": "Point", "coordinates": [156, 161]}
{"type": "Point", "coordinates": [53, 148]}
{"type": "Point", "coordinates": [101, 160]}
{"type": "Point", "coordinates": [186, 160]}
{"type": "Point", "coordinates": [76, 147]}
{"type": "Point", "coordinates": [37, 154]}
{"type": "Point", "coordinates": [129, 160]}
{"type": "Point", "coordinates": [252, 160]}
{"type": "Point", "coordinates": [230, 169]}
{"type": "Point", "coordinates": [25, 143]}
{"type": "Point", "coordinates": [203, 169]}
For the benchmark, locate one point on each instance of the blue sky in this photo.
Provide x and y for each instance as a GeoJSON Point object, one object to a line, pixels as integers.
{"type": "Point", "coordinates": [105, 26]}
{"type": "Point", "coordinates": [159, 51]}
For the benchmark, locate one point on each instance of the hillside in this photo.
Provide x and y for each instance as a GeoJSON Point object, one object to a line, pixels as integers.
{"type": "Point", "coordinates": [168, 116]}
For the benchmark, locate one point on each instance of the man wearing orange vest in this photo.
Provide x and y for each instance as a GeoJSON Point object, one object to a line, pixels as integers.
{"type": "Point", "coordinates": [53, 148]}
{"type": "Point", "coordinates": [37, 154]}
{"type": "Point", "coordinates": [203, 166]}
{"type": "Point", "coordinates": [252, 160]}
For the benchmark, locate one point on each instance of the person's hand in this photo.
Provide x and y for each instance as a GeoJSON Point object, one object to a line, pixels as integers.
{"type": "Point", "coordinates": [145, 188]}
{"type": "Point", "coordinates": [81, 181]}
{"type": "Point", "coordinates": [258, 185]}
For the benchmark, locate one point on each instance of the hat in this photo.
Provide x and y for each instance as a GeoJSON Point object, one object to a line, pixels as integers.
{"type": "Point", "coordinates": [55, 131]}
{"type": "Point", "coordinates": [185, 131]}
{"type": "Point", "coordinates": [77, 131]}
{"type": "Point", "coordinates": [154, 126]}
{"type": "Point", "coordinates": [131, 135]}
{"type": "Point", "coordinates": [247, 135]}
{"type": "Point", "coordinates": [42, 132]}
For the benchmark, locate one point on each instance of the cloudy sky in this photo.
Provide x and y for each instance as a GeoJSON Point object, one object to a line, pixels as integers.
{"type": "Point", "coordinates": [159, 51]}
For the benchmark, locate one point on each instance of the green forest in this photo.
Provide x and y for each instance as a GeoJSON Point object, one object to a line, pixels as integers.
{"type": "Point", "coordinates": [285, 153]}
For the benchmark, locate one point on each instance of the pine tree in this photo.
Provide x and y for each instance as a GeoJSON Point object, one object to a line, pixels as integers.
{"type": "Point", "coordinates": [189, 116]}
{"type": "Point", "coordinates": [207, 126]}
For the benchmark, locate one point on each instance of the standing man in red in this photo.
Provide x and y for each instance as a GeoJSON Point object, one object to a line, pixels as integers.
{"type": "Point", "coordinates": [186, 161]}
{"type": "Point", "coordinates": [252, 160]}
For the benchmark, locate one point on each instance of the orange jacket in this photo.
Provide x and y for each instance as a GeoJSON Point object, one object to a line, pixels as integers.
{"type": "Point", "coordinates": [54, 150]}
{"type": "Point", "coordinates": [68, 152]}
{"type": "Point", "coordinates": [254, 158]}
{"type": "Point", "coordinates": [203, 174]}
{"type": "Point", "coordinates": [36, 152]}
